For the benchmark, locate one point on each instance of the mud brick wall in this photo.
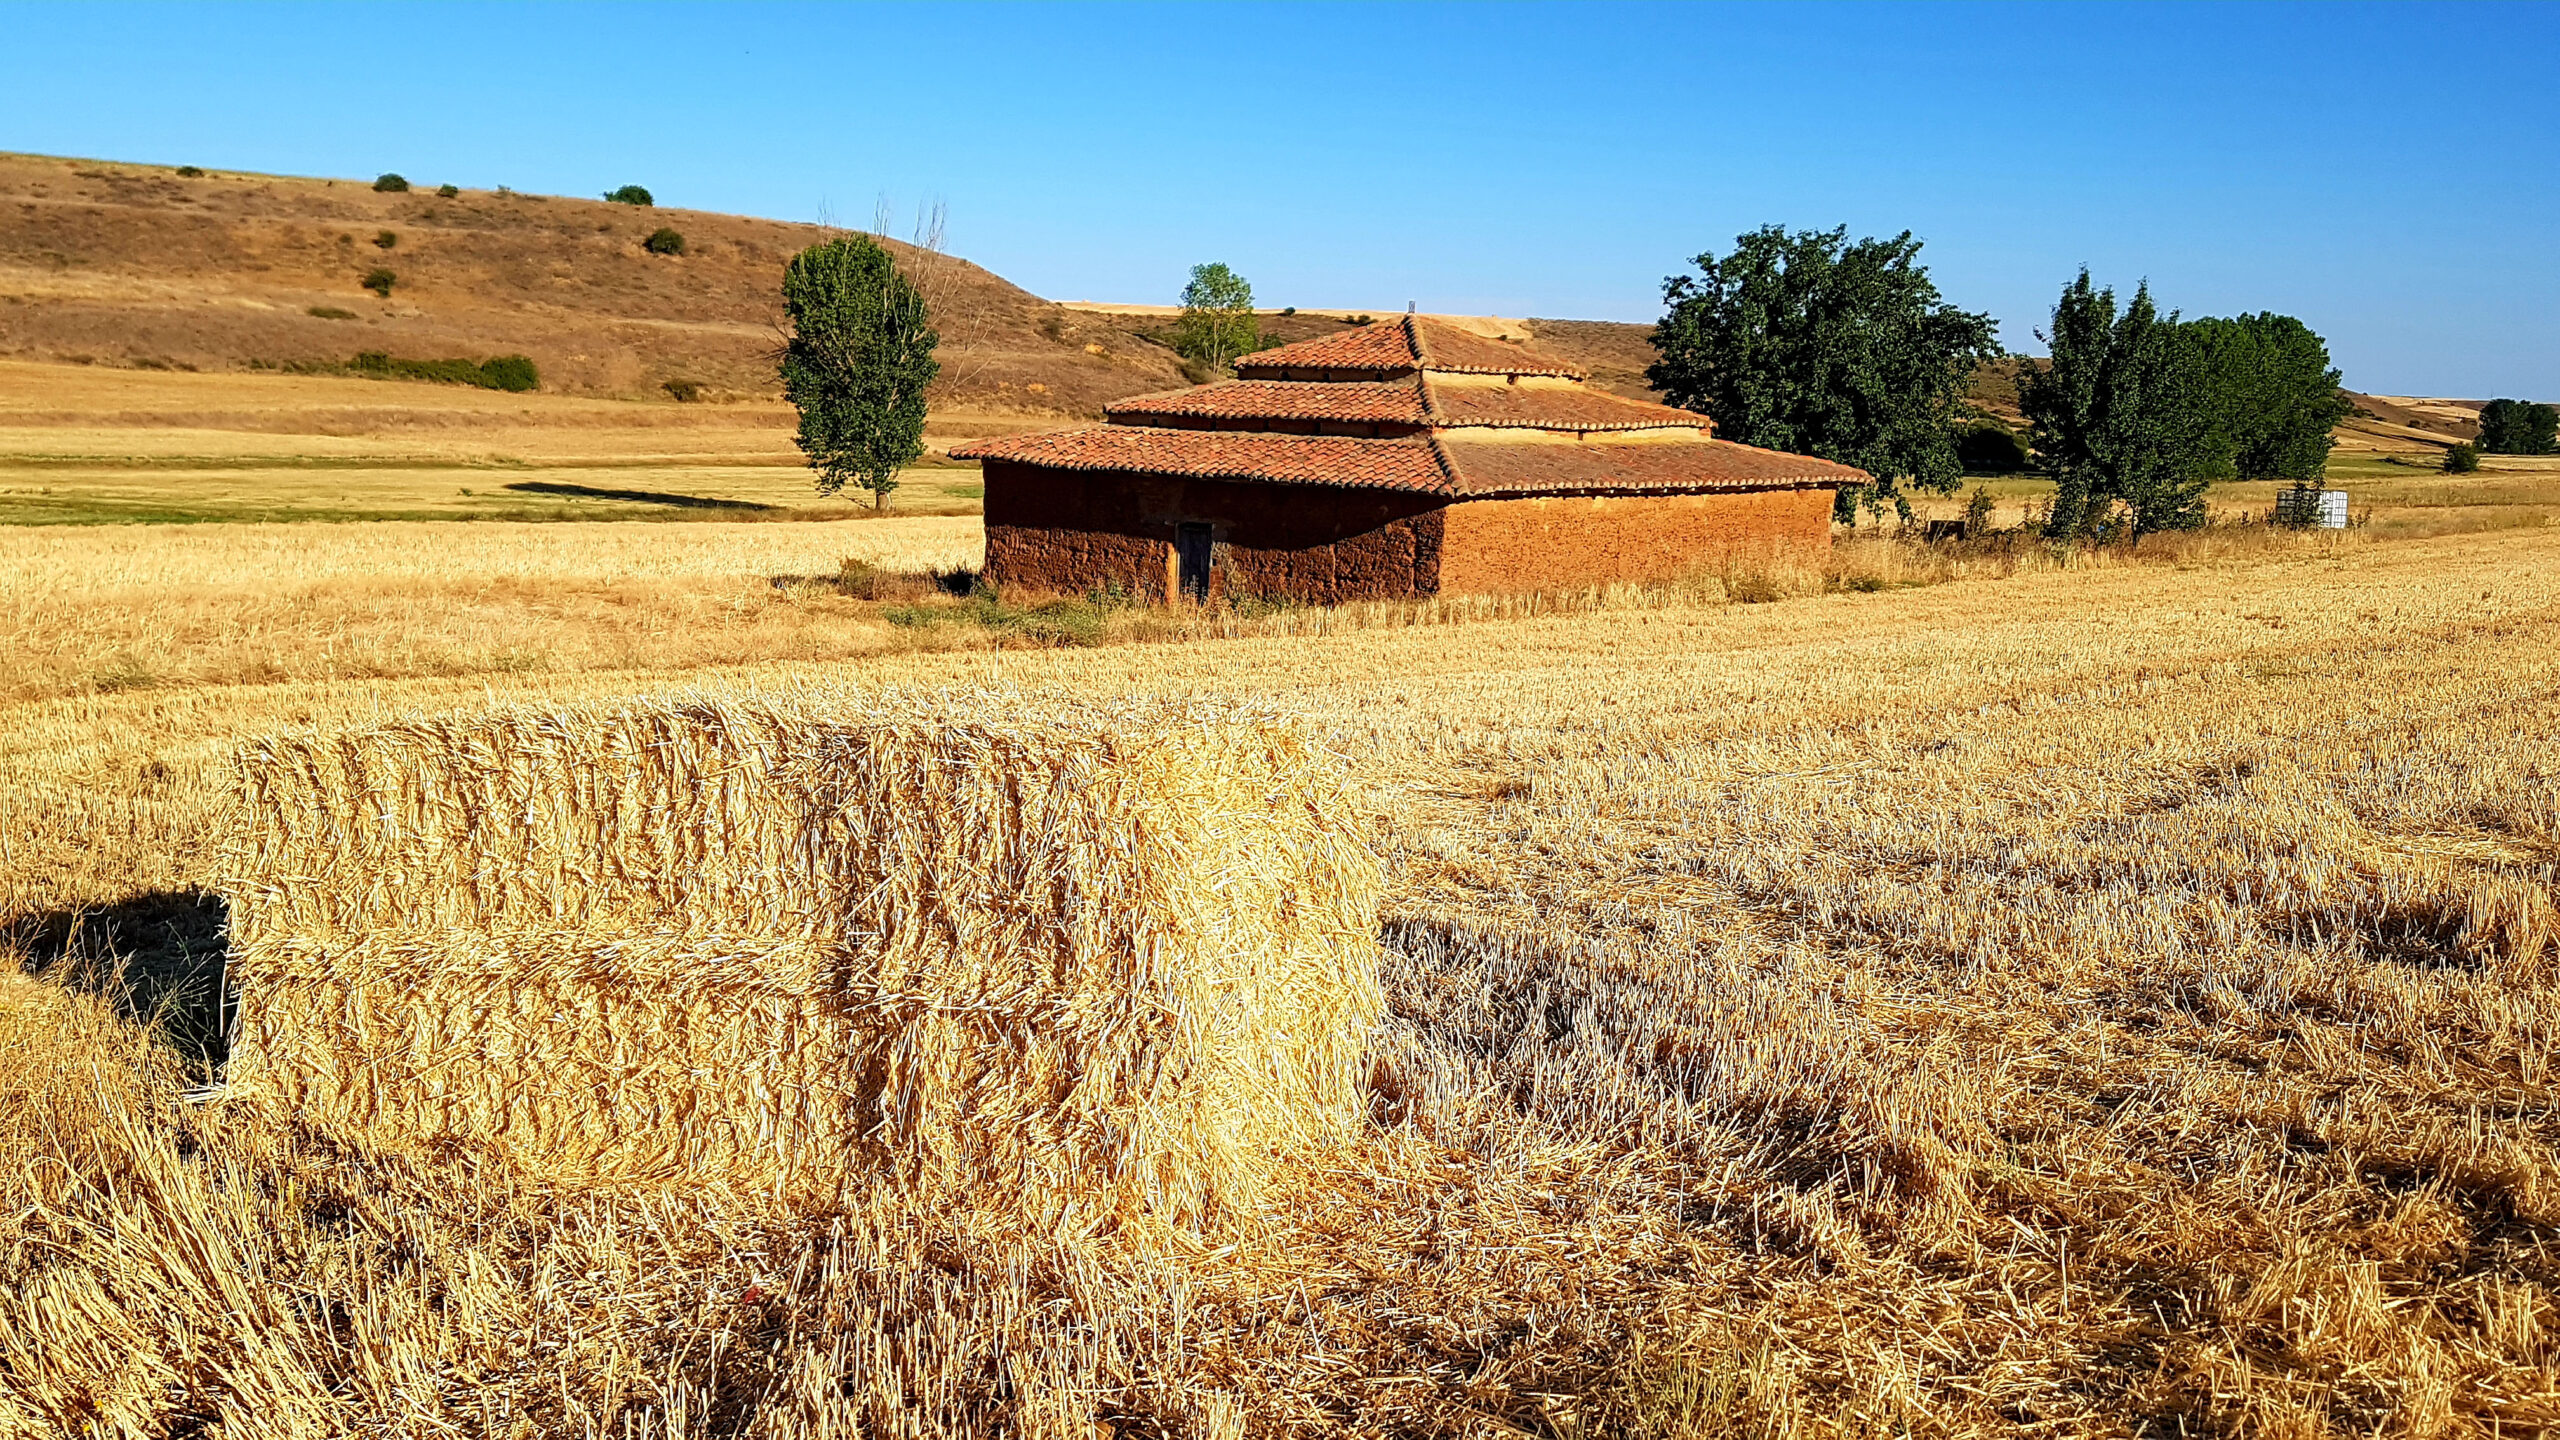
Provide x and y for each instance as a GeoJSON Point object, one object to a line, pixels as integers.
{"type": "Point", "coordinates": [1068, 532]}
{"type": "Point", "coordinates": [1557, 542]}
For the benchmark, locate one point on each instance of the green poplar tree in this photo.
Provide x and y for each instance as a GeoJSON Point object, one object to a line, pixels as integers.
{"type": "Point", "coordinates": [857, 363]}
{"type": "Point", "coordinates": [2119, 414]}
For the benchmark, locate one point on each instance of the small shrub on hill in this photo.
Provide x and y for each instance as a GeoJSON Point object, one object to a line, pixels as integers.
{"type": "Point", "coordinates": [664, 241]}
{"type": "Point", "coordinates": [329, 312]}
{"type": "Point", "coordinates": [190, 172]}
{"type": "Point", "coordinates": [2462, 459]}
{"type": "Point", "coordinates": [512, 373]}
{"type": "Point", "coordinates": [385, 239]}
{"type": "Point", "coordinates": [379, 281]}
{"type": "Point", "coordinates": [391, 184]}
{"type": "Point", "coordinates": [631, 195]}
{"type": "Point", "coordinates": [447, 192]}
{"type": "Point", "coordinates": [683, 392]}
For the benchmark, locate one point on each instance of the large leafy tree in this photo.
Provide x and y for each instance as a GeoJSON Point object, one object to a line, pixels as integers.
{"type": "Point", "coordinates": [2119, 413]}
{"type": "Point", "coordinates": [857, 364]}
{"type": "Point", "coordinates": [2519, 427]}
{"type": "Point", "coordinates": [1217, 323]}
{"type": "Point", "coordinates": [1803, 341]}
{"type": "Point", "coordinates": [2271, 397]}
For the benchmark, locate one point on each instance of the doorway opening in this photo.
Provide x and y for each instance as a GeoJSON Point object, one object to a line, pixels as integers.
{"type": "Point", "coordinates": [1191, 549]}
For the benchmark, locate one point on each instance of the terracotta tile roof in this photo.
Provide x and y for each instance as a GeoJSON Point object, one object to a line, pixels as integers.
{"type": "Point", "coordinates": [1401, 346]}
{"type": "Point", "coordinates": [1493, 467]}
{"type": "Point", "coordinates": [1448, 348]}
{"type": "Point", "coordinates": [1435, 467]}
{"type": "Point", "coordinates": [1546, 407]}
{"type": "Point", "coordinates": [1227, 455]}
{"type": "Point", "coordinates": [1351, 402]}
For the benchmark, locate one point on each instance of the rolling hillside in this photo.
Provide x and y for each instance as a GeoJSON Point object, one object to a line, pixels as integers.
{"type": "Point", "coordinates": [139, 266]}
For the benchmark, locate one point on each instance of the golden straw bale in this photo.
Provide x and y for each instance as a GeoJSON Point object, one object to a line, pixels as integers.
{"type": "Point", "coordinates": [1100, 960]}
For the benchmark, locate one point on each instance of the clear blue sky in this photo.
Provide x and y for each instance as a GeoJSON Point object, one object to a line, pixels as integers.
{"type": "Point", "coordinates": [2385, 172]}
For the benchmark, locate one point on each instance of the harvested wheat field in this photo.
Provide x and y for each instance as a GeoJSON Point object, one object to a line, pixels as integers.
{"type": "Point", "coordinates": [2088, 999]}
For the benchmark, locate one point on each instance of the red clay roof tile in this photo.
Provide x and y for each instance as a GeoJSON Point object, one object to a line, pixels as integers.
{"type": "Point", "coordinates": [1402, 346]}
{"type": "Point", "coordinates": [1227, 455]}
{"type": "Point", "coordinates": [1550, 407]}
{"type": "Point", "coordinates": [1495, 467]}
{"type": "Point", "coordinates": [1457, 468]}
{"type": "Point", "coordinates": [1350, 402]}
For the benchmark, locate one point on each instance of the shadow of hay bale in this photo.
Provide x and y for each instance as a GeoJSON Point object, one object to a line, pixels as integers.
{"type": "Point", "coordinates": [157, 957]}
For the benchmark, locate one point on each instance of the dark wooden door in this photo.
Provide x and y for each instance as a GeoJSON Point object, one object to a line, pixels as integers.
{"type": "Point", "coordinates": [1191, 546]}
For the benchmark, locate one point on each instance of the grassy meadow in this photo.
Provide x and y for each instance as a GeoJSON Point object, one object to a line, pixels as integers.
{"type": "Point", "coordinates": [1936, 990]}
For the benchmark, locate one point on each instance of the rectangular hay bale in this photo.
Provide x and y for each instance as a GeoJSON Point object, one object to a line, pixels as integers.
{"type": "Point", "coordinates": [1099, 960]}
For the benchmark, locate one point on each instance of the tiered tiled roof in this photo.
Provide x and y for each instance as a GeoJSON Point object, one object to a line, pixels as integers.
{"type": "Point", "coordinates": [1402, 346]}
{"type": "Point", "coordinates": [1416, 403]}
{"type": "Point", "coordinates": [1370, 409]}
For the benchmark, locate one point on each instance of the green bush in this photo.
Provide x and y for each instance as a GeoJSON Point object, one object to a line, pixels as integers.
{"type": "Point", "coordinates": [190, 172]}
{"type": "Point", "coordinates": [379, 281]}
{"type": "Point", "coordinates": [504, 372]}
{"type": "Point", "coordinates": [631, 195]}
{"type": "Point", "coordinates": [447, 192]}
{"type": "Point", "coordinates": [2462, 458]}
{"type": "Point", "coordinates": [664, 241]}
{"type": "Point", "coordinates": [385, 239]}
{"type": "Point", "coordinates": [1988, 449]}
{"type": "Point", "coordinates": [391, 184]}
{"type": "Point", "coordinates": [509, 372]}
{"type": "Point", "coordinates": [329, 312]}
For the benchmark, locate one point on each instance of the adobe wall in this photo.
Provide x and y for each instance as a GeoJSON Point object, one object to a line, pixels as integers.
{"type": "Point", "coordinates": [1068, 532]}
{"type": "Point", "coordinates": [1558, 542]}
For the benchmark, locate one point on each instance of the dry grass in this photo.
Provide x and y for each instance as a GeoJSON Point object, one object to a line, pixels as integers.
{"type": "Point", "coordinates": [2110, 1000]}
{"type": "Point", "coordinates": [107, 608]}
{"type": "Point", "coordinates": [89, 446]}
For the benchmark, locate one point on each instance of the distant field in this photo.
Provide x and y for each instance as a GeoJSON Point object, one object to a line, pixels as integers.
{"type": "Point", "coordinates": [2393, 495]}
{"type": "Point", "coordinates": [87, 445]}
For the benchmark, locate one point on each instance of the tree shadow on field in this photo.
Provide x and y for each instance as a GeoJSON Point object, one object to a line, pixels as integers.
{"type": "Point", "coordinates": [156, 957]}
{"type": "Point", "coordinates": [644, 497]}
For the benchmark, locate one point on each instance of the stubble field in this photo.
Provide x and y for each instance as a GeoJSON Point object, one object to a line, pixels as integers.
{"type": "Point", "coordinates": [2091, 1000]}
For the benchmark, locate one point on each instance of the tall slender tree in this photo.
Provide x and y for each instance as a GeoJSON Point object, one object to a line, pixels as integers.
{"type": "Point", "coordinates": [857, 363]}
{"type": "Point", "coordinates": [1804, 341]}
{"type": "Point", "coordinates": [2118, 414]}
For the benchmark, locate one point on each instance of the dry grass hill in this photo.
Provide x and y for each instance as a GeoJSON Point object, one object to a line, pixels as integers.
{"type": "Point", "coordinates": [140, 266]}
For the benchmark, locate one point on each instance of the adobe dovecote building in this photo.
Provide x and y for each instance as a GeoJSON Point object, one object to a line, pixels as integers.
{"type": "Point", "coordinates": [1403, 458]}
